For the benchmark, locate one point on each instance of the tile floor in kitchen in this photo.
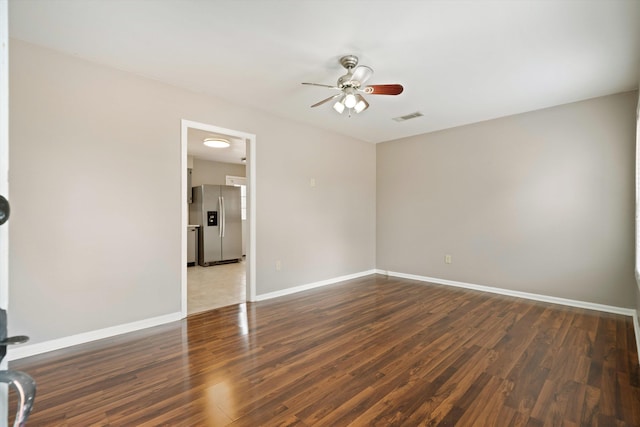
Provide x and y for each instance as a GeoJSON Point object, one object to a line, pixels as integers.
{"type": "Point", "coordinates": [215, 286]}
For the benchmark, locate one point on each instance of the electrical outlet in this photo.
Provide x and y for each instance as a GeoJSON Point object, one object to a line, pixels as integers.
{"type": "Point", "coordinates": [278, 265]}
{"type": "Point", "coordinates": [447, 259]}
{"type": "Point", "coordinates": [312, 182]}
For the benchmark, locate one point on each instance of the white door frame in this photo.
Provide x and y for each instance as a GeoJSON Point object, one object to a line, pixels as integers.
{"type": "Point", "coordinates": [4, 181]}
{"type": "Point", "coordinates": [250, 141]}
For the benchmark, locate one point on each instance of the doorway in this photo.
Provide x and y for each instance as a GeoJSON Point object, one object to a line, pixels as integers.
{"type": "Point", "coordinates": [250, 167]}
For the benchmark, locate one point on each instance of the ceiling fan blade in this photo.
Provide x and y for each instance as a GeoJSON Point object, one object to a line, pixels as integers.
{"type": "Point", "coordinates": [326, 100]}
{"type": "Point", "coordinates": [384, 89]}
{"type": "Point", "coordinates": [361, 74]}
{"type": "Point", "coordinates": [321, 85]}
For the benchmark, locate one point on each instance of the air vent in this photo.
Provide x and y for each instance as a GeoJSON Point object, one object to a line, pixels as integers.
{"type": "Point", "coordinates": [408, 116]}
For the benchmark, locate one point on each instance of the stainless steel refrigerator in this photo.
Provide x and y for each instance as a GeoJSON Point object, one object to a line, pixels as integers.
{"type": "Point", "coordinates": [217, 210]}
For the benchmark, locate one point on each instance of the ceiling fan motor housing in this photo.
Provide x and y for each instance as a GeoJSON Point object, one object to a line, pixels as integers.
{"type": "Point", "coordinates": [349, 62]}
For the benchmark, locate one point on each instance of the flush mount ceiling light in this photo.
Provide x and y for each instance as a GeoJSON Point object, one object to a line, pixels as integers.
{"type": "Point", "coordinates": [216, 143]}
{"type": "Point", "coordinates": [351, 87]}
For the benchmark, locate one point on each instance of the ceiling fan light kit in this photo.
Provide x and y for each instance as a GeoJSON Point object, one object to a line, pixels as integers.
{"type": "Point", "coordinates": [361, 104]}
{"type": "Point", "coordinates": [351, 87]}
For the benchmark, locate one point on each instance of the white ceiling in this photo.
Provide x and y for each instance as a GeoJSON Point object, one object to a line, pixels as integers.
{"type": "Point", "coordinates": [459, 61]}
{"type": "Point", "coordinates": [232, 154]}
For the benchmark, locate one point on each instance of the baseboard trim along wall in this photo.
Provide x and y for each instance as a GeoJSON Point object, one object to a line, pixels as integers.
{"type": "Point", "coordinates": [519, 294]}
{"type": "Point", "coordinates": [536, 297]}
{"type": "Point", "coordinates": [19, 352]}
{"type": "Point", "coordinates": [313, 285]}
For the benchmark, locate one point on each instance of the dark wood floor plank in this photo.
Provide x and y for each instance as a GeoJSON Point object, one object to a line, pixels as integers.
{"type": "Point", "coordinates": [515, 341]}
{"type": "Point", "coordinates": [477, 407]}
{"type": "Point", "coordinates": [590, 409]}
{"type": "Point", "coordinates": [465, 401]}
{"type": "Point", "coordinates": [573, 411]}
{"type": "Point", "coordinates": [553, 401]}
{"type": "Point", "coordinates": [467, 371]}
{"type": "Point", "coordinates": [632, 357]}
{"type": "Point", "coordinates": [528, 376]}
{"type": "Point", "coordinates": [371, 351]}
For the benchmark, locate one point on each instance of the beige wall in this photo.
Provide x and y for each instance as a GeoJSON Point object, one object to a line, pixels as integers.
{"type": "Point", "coordinates": [541, 202]}
{"type": "Point", "coordinates": [208, 172]}
{"type": "Point", "coordinates": [328, 228]}
{"type": "Point", "coordinates": [95, 184]}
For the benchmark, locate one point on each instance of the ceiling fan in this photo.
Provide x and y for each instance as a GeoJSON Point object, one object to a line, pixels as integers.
{"type": "Point", "coordinates": [351, 87]}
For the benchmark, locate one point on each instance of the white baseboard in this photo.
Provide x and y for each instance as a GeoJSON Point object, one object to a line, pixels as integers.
{"type": "Point", "coordinates": [313, 285]}
{"type": "Point", "coordinates": [519, 294]}
{"type": "Point", "coordinates": [19, 352]}
{"type": "Point", "coordinates": [23, 351]}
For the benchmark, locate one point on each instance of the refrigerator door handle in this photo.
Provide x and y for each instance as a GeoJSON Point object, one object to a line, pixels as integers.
{"type": "Point", "coordinates": [224, 217]}
{"type": "Point", "coordinates": [221, 219]}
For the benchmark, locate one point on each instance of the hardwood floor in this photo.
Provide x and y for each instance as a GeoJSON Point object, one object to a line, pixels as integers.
{"type": "Point", "coordinates": [372, 351]}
